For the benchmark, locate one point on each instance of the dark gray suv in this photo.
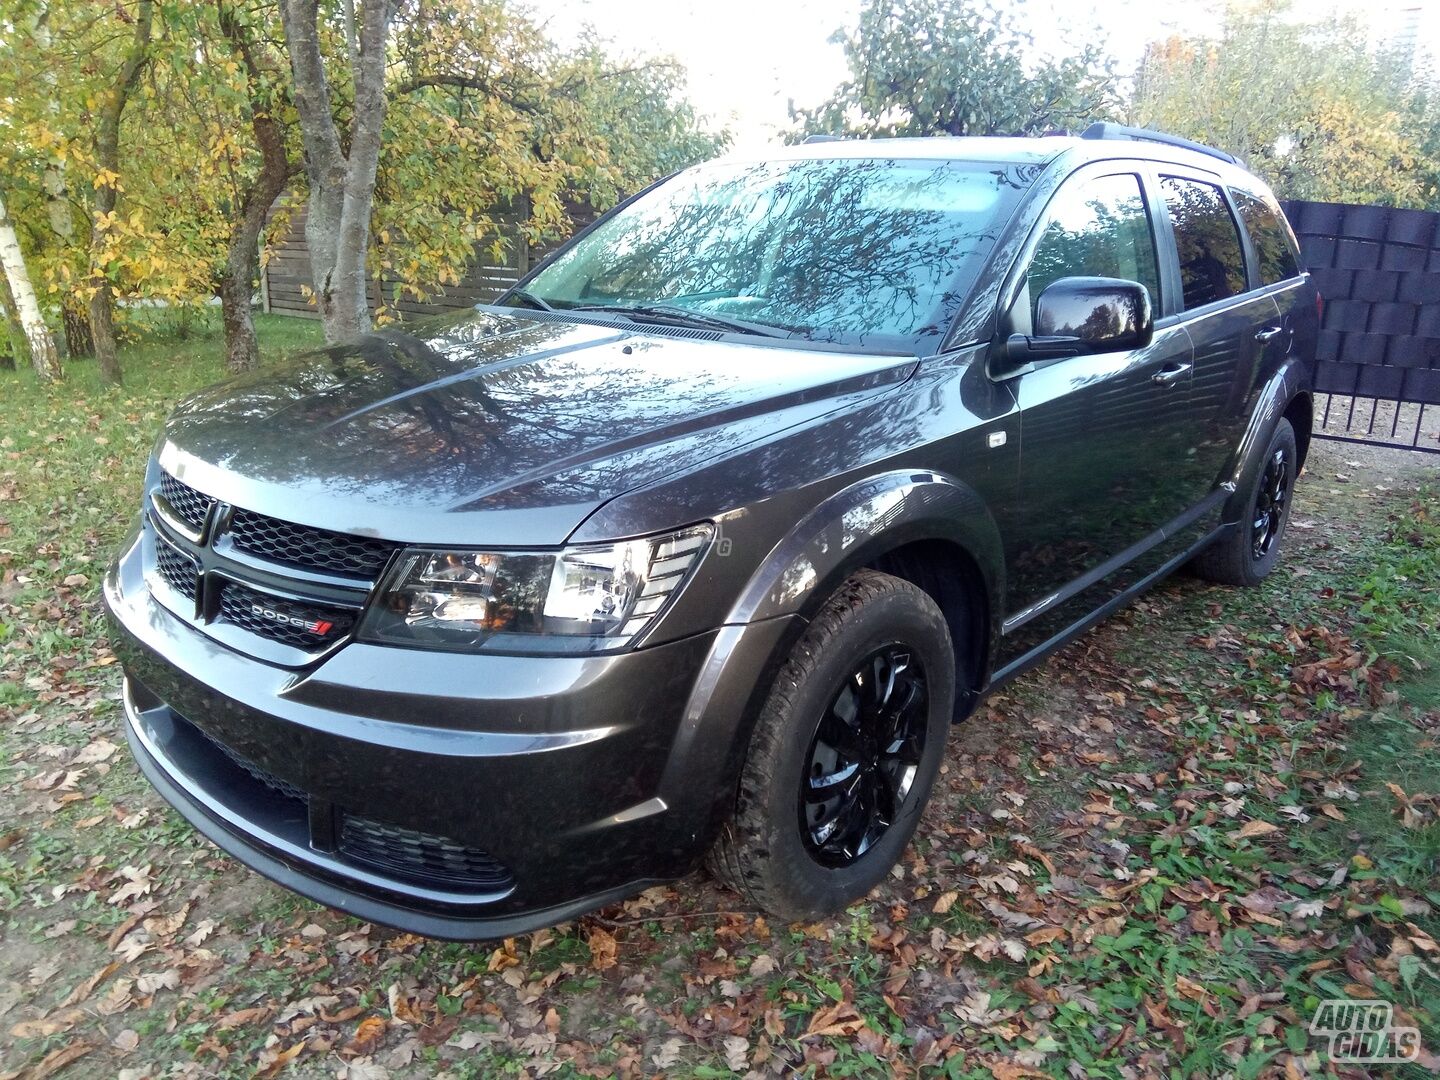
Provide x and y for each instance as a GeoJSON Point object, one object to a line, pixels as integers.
{"type": "Point", "coordinates": [701, 537]}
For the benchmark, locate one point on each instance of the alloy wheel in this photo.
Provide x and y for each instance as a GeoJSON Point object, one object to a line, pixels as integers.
{"type": "Point", "coordinates": [864, 756]}
{"type": "Point", "coordinates": [1270, 503]}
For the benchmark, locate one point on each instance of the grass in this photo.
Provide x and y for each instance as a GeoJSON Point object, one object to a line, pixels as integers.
{"type": "Point", "coordinates": [1153, 856]}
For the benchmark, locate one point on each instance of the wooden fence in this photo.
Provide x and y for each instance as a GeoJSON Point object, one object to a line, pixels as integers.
{"type": "Point", "coordinates": [286, 288]}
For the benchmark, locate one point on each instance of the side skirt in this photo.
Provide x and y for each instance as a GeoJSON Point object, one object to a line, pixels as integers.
{"type": "Point", "coordinates": [1024, 663]}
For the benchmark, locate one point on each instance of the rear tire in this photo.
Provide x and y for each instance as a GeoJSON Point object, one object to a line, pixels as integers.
{"type": "Point", "coordinates": [1248, 552]}
{"type": "Point", "coordinates": [844, 753]}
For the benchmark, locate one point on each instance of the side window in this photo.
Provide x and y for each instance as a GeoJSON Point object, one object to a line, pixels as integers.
{"type": "Point", "coordinates": [1097, 228]}
{"type": "Point", "coordinates": [1211, 264]}
{"type": "Point", "coordinates": [1273, 246]}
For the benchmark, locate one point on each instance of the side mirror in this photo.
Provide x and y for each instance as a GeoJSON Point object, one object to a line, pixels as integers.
{"type": "Point", "coordinates": [1080, 315]}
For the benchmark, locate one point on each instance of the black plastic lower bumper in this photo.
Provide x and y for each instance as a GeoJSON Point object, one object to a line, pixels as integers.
{"type": "Point", "coordinates": [301, 876]}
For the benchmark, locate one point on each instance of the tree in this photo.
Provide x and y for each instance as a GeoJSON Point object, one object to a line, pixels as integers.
{"type": "Point", "coordinates": [74, 318]}
{"type": "Point", "coordinates": [483, 120]}
{"type": "Point", "coordinates": [956, 67]}
{"type": "Point", "coordinates": [107, 188]}
{"type": "Point", "coordinates": [37, 335]}
{"type": "Point", "coordinates": [1306, 106]}
{"type": "Point", "coordinates": [342, 183]}
{"type": "Point", "coordinates": [266, 98]}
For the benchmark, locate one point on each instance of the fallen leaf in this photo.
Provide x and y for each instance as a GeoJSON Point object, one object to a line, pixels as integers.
{"type": "Point", "coordinates": [158, 980]}
{"type": "Point", "coordinates": [839, 1019]}
{"type": "Point", "coordinates": [603, 948]}
{"type": "Point", "coordinates": [56, 1060]}
{"type": "Point", "coordinates": [1255, 828]}
{"type": "Point", "coordinates": [737, 1052]}
{"type": "Point", "coordinates": [368, 1032]}
{"type": "Point", "coordinates": [668, 1056]}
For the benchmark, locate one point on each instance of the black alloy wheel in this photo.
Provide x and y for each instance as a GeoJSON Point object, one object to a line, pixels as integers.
{"type": "Point", "coordinates": [844, 752]}
{"type": "Point", "coordinates": [1270, 503]}
{"type": "Point", "coordinates": [864, 756]}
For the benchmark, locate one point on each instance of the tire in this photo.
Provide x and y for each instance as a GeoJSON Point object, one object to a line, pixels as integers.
{"type": "Point", "coordinates": [764, 852]}
{"type": "Point", "coordinates": [1239, 557]}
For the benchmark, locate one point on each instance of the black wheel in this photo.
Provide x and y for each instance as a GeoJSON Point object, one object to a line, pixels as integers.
{"type": "Point", "coordinates": [1247, 554]}
{"type": "Point", "coordinates": [844, 753]}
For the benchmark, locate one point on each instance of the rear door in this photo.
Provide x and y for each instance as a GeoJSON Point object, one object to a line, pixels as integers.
{"type": "Point", "coordinates": [1230, 323]}
{"type": "Point", "coordinates": [1100, 434]}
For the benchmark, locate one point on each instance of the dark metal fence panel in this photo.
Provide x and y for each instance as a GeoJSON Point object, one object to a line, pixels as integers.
{"type": "Point", "coordinates": [1378, 364]}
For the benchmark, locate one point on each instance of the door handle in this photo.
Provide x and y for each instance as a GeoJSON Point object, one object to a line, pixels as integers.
{"type": "Point", "coordinates": [1270, 333]}
{"type": "Point", "coordinates": [1170, 374]}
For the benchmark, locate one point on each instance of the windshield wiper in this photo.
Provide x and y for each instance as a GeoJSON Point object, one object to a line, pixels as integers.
{"type": "Point", "coordinates": [529, 299]}
{"type": "Point", "coordinates": [678, 316]}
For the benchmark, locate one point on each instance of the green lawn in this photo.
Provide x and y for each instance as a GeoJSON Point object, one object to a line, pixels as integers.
{"type": "Point", "coordinates": [1151, 857]}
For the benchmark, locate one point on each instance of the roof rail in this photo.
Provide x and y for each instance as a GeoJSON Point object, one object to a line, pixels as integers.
{"type": "Point", "coordinates": [1120, 131]}
{"type": "Point", "coordinates": [821, 138]}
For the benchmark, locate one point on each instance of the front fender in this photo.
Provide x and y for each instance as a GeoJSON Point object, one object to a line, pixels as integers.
{"type": "Point", "coordinates": [859, 523]}
{"type": "Point", "coordinates": [852, 527]}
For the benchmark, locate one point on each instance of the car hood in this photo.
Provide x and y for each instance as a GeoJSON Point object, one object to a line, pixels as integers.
{"type": "Point", "coordinates": [494, 428]}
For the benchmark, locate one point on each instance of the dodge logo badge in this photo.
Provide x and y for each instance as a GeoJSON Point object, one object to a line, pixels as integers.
{"type": "Point", "coordinates": [318, 627]}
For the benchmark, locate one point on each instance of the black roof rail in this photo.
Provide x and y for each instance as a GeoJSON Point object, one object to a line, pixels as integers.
{"type": "Point", "coordinates": [821, 138]}
{"type": "Point", "coordinates": [1120, 131]}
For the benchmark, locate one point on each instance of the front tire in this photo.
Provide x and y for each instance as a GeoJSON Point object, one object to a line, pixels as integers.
{"type": "Point", "coordinates": [1247, 554]}
{"type": "Point", "coordinates": [844, 753]}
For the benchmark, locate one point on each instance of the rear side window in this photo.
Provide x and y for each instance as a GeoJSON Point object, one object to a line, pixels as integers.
{"type": "Point", "coordinates": [1211, 264]}
{"type": "Point", "coordinates": [1097, 228]}
{"type": "Point", "coordinates": [1273, 246]}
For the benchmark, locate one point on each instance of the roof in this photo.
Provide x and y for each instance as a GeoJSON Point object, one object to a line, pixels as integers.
{"type": "Point", "coordinates": [1024, 150]}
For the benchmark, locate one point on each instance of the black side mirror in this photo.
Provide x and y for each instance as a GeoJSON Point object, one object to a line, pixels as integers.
{"type": "Point", "coordinates": [1080, 315]}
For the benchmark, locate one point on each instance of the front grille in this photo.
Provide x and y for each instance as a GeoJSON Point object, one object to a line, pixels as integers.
{"type": "Point", "coordinates": [177, 569]}
{"type": "Point", "coordinates": [270, 780]}
{"type": "Point", "coordinates": [309, 548]}
{"type": "Point", "coordinates": [290, 622]}
{"type": "Point", "coordinates": [420, 857]}
{"type": "Point", "coordinates": [189, 505]}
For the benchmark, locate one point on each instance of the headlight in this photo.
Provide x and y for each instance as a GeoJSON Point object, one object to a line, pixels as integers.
{"type": "Point", "coordinates": [581, 599]}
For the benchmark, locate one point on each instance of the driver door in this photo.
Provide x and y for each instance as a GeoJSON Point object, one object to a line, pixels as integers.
{"type": "Point", "coordinates": [1103, 436]}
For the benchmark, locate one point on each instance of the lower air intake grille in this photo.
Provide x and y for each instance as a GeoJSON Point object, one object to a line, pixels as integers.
{"type": "Point", "coordinates": [273, 782]}
{"type": "Point", "coordinates": [419, 857]}
{"type": "Point", "coordinates": [309, 548]}
{"type": "Point", "coordinates": [189, 505]}
{"type": "Point", "coordinates": [290, 622]}
{"type": "Point", "coordinates": [177, 569]}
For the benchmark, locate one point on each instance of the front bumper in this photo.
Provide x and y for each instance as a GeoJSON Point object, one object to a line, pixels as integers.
{"type": "Point", "coordinates": [491, 795]}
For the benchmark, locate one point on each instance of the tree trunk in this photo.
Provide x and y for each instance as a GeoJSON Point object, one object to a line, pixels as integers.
{"type": "Point", "coordinates": [37, 335]}
{"type": "Point", "coordinates": [16, 350]}
{"type": "Point", "coordinates": [107, 162]}
{"type": "Point", "coordinates": [74, 316]}
{"type": "Point", "coordinates": [342, 188]}
{"type": "Point", "coordinates": [242, 349]}
{"type": "Point", "coordinates": [76, 319]}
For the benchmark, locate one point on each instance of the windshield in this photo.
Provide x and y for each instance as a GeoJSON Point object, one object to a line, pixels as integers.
{"type": "Point", "coordinates": [858, 251]}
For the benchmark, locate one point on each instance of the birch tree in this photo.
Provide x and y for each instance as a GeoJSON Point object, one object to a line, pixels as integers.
{"type": "Point", "coordinates": [37, 335]}
{"type": "Point", "coordinates": [342, 184]}
{"type": "Point", "coordinates": [74, 319]}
